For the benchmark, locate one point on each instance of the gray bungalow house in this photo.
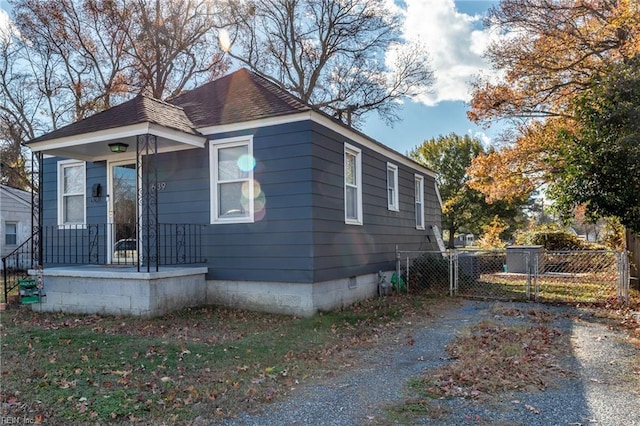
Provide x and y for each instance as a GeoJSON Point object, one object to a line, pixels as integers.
{"type": "Point", "coordinates": [235, 193]}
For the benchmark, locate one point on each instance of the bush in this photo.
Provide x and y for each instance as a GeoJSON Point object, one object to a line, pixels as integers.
{"type": "Point", "coordinates": [551, 238]}
{"type": "Point", "coordinates": [428, 271]}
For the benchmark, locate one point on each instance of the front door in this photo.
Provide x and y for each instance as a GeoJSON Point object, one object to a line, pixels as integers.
{"type": "Point", "coordinates": [123, 213]}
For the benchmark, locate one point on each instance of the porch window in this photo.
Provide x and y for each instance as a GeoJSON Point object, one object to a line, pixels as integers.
{"type": "Point", "coordinates": [71, 193]}
{"type": "Point", "coordinates": [232, 187]}
{"type": "Point", "coordinates": [11, 233]}
{"type": "Point", "coordinates": [392, 187]}
{"type": "Point", "coordinates": [419, 197]}
{"type": "Point", "coordinates": [352, 185]}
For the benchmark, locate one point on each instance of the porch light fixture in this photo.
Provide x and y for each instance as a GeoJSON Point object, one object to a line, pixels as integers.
{"type": "Point", "coordinates": [118, 147]}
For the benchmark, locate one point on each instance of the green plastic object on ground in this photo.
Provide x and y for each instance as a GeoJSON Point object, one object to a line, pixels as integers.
{"type": "Point", "coordinates": [29, 292]}
{"type": "Point", "coordinates": [398, 282]}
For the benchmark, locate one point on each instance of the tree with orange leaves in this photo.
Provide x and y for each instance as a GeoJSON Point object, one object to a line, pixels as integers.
{"type": "Point", "coordinates": [551, 52]}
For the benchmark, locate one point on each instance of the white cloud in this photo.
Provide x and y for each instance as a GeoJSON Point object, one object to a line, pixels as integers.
{"type": "Point", "coordinates": [455, 42]}
{"type": "Point", "coordinates": [5, 23]}
{"type": "Point", "coordinates": [7, 27]}
{"type": "Point", "coordinates": [480, 135]}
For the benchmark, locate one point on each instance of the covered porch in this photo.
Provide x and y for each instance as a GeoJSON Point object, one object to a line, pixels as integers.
{"type": "Point", "coordinates": [99, 240]}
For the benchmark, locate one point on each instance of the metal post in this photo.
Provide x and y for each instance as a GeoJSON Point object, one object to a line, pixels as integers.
{"type": "Point", "coordinates": [407, 283]}
{"type": "Point", "coordinates": [4, 276]}
{"type": "Point", "coordinates": [148, 239]}
{"type": "Point", "coordinates": [536, 264]}
{"type": "Point", "coordinates": [397, 269]}
{"type": "Point", "coordinates": [528, 268]}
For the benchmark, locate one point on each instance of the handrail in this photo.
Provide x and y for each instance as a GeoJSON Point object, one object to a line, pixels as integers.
{"type": "Point", "coordinates": [28, 240]}
{"type": "Point", "coordinates": [5, 269]}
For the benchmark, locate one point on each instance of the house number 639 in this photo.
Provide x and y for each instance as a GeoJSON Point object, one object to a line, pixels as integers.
{"type": "Point", "coordinates": [161, 186]}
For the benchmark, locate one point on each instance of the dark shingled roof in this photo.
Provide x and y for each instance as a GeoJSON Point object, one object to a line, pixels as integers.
{"type": "Point", "coordinates": [141, 109]}
{"type": "Point", "coordinates": [237, 97]}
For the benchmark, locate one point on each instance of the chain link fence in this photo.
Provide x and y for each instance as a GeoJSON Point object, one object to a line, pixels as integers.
{"type": "Point", "coordinates": [569, 277]}
{"type": "Point", "coordinates": [583, 276]}
{"type": "Point", "coordinates": [425, 272]}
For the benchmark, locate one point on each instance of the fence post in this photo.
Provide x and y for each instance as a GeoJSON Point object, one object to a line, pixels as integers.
{"type": "Point", "coordinates": [453, 272]}
{"type": "Point", "coordinates": [623, 276]}
{"type": "Point", "coordinates": [407, 281]}
{"type": "Point", "coordinates": [398, 269]}
{"type": "Point", "coordinates": [627, 276]}
{"type": "Point", "coordinates": [450, 255]}
{"type": "Point", "coordinates": [527, 263]}
{"type": "Point", "coordinates": [4, 279]}
{"type": "Point", "coordinates": [536, 265]}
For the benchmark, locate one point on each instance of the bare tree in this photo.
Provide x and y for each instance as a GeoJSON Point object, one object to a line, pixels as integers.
{"type": "Point", "coordinates": [331, 53]}
{"type": "Point", "coordinates": [67, 59]}
{"type": "Point", "coordinates": [172, 45]}
{"type": "Point", "coordinates": [24, 107]}
{"type": "Point", "coordinates": [85, 46]}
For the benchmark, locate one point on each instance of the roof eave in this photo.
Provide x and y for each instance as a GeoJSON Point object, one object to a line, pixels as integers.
{"type": "Point", "coordinates": [326, 121]}
{"type": "Point", "coordinates": [118, 133]}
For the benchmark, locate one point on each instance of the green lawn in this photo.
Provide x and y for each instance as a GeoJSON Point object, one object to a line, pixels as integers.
{"type": "Point", "coordinates": [209, 362]}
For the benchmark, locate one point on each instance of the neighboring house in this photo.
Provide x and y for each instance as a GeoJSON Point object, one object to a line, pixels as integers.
{"type": "Point", "coordinates": [464, 240]}
{"type": "Point", "coordinates": [15, 221]}
{"type": "Point", "coordinates": [235, 193]}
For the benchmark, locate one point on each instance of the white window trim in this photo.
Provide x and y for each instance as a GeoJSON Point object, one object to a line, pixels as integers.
{"type": "Point", "coordinates": [419, 202]}
{"type": "Point", "coordinates": [61, 166]}
{"type": "Point", "coordinates": [214, 146]}
{"type": "Point", "coordinates": [357, 152]}
{"type": "Point", "coordinates": [6, 233]}
{"type": "Point", "coordinates": [395, 204]}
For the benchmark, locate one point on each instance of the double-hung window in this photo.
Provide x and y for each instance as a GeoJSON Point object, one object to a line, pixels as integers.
{"type": "Point", "coordinates": [11, 233]}
{"type": "Point", "coordinates": [419, 198]}
{"type": "Point", "coordinates": [352, 185]}
{"type": "Point", "coordinates": [232, 185]}
{"type": "Point", "coordinates": [392, 187]}
{"type": "Point", "coordinates": [71, 193]}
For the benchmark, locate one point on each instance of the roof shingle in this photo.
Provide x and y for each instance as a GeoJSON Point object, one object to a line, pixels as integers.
{"type": "Point", "coordinates": [237, 97]}
{"type": "Point", "coordinates": [141, 109]}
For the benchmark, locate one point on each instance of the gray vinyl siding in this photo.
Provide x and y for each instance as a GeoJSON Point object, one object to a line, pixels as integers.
{"type": "Point", "coordinates": [183, 179]}
{"type": "Point", "coordinates": [301, 236]}
{"type": "Point", "coordinates": [278, 246]}
{"type": "Point", "coordinates": [342, 250]}
{"type": "Point", "coordinates": [96, 208]}
{"type": "Point", "coordinates": [69, 246]}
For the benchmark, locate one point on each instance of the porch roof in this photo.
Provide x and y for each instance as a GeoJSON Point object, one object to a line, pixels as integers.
{"type": "Point", "coordinates": [88, 138]}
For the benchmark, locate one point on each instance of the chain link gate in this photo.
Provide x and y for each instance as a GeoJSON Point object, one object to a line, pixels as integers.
{"type": "Point", "coordinates": [569, 277]}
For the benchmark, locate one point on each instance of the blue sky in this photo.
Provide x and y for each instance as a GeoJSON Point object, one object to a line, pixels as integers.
{"type": "Point", "coordinates": [453, 33]}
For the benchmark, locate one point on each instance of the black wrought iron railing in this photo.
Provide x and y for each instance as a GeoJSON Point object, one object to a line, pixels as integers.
{"type": "Point", "coordinates": [15, 265]}
{"type": "Point", "coordinates": [123, 244]}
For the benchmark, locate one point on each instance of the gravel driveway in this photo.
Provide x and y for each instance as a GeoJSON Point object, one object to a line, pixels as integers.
{"type": "Point", "coordinates": [604, 389]}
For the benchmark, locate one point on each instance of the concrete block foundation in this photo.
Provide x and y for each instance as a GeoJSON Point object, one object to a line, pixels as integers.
{"type": "Point", "coordinates": [300, 299]}
{"type": "Point", "coordinates": [121, 291]}
{"type": "Point", "coordinates": [126, 292]}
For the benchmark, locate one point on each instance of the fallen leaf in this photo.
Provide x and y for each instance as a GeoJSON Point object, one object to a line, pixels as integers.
{"type": "Point", "coordinates": [531, 408]}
